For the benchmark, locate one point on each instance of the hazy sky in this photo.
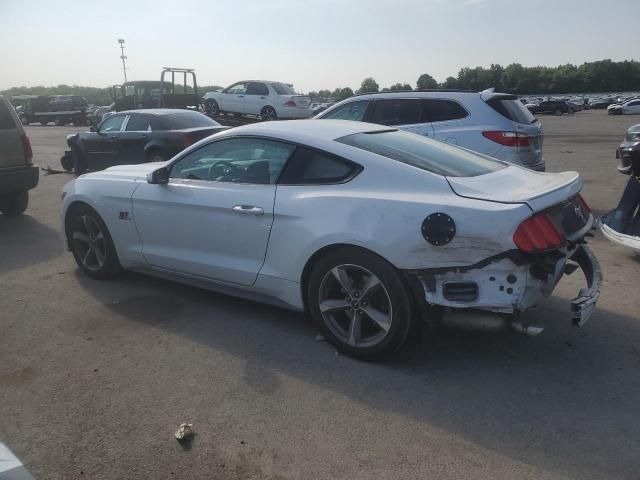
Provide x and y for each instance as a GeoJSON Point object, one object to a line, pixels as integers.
{"type": "Point", "coordinates": [311, 43]}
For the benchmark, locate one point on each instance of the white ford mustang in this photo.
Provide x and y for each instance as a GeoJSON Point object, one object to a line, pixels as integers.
{"type": "Point", "coordinates": [369, 229]}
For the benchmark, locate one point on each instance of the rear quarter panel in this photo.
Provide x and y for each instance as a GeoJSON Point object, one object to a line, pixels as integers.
{"type": "Point", "coordinates": [385, 215]}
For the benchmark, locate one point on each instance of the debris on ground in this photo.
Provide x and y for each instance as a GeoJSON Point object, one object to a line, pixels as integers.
{"type": "Point", "coordinates": [184, 433]}
{"type": "Point", "coordinates": [50, 171]}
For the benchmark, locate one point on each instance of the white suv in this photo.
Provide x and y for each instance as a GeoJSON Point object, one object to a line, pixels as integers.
{"type": "Point", "coordinates": [266, 99]}
{"type": "Point", "coordinates": [494, 124]}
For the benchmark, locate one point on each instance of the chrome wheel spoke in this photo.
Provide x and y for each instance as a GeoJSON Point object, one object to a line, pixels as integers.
{"type": "Point", "coordinates": [372, 283]}
{"type": "Point", "coordinates": [86, 223]}
{"type": "Point", "coordinates": [99, 254]}
{"type": "Point", "coordinates": [341, 275]}
{"type": "Point", "coordinates": [82, 237]}
{"type": "Point", "coordinates": [87, 255]}
{"type": "Point", "coordinates": [332, 306]}
{"type": "Point", "coordinates": [355, 329]}
{"type": "Point", "coordinates": [383, 320]}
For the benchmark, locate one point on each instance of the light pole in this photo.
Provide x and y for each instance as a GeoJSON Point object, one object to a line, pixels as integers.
{"type": "Point", "coordinates": [123, 57]}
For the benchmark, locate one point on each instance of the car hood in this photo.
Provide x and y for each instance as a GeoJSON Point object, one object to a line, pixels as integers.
{"type": "Point", "coordinates": [519, 185]}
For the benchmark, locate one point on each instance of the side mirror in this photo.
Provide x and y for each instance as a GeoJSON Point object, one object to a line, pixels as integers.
{"type": "Point", "coordinates": [159, 176]}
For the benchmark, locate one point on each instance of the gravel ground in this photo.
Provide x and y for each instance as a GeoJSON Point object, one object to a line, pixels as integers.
{"type": "Point", "coordinates": [95, 377]}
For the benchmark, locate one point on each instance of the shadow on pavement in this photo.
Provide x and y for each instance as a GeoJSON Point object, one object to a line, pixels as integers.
{"type": "Point", "coordinates": [22, 234]}
{"type": "Point", "coordinates": [560, 402]}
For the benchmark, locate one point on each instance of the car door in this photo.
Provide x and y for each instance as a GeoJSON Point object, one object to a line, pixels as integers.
{"type": "Point", "coordinates": [137, 133]}
{"type": "Point", "coordinates": [232, 98]}
{"type": "Point", "coordinates": [102, 147]}
{"type": "Point", "coordinates": [404, 113]}
{"type": "Point", "coordinates": [257, 97]}
{"type": "Point", "coordinates": [214, 217]}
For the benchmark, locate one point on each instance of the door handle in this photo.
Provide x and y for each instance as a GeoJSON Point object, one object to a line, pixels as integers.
{"type": "Point", "coordinates": [248, 210]}
{"type": "Point", "coordinates": [240, 96]}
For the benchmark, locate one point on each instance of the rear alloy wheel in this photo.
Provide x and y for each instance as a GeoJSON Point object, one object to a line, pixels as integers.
{"type": "Point", "coordinates": [361, 303]}
{"type": "Point", "coordinates": [211, 107]}
{"type": "Point", "coordinates": [91, 244]}
{"type": "Point", "coordinates": [12, 204]}
{"type": "Point", "coordinates": [268, 113]}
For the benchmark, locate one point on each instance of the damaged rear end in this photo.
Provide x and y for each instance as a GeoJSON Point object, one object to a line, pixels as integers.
{"type": "Point", "coordinates": [547, 244]}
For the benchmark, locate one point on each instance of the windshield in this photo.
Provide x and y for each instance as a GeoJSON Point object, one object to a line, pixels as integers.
{"type": "Point", "coordinates": [423, 153]}
{"type": "Point", "coordinates": [178, 121]}
{"type": "Point", "coordinates": [283, 89]}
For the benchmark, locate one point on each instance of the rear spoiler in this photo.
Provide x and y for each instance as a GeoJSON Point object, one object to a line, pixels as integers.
{"type": "Point", "coordinates": [486, 96]}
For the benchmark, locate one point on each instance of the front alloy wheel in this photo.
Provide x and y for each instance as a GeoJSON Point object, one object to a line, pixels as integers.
{"type": "Point", "coordinates": [92, 245]}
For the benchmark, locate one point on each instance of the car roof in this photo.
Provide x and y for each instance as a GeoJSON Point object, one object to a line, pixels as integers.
{"type": "Point", "coordinates": [159, 111]}
{"type": "Point", "coordinates": [416, 93]}
{"type": "Point", "coordinates": [319, 129]}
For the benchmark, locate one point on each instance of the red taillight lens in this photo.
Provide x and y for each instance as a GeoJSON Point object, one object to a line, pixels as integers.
{"type": "Point", "coordinates": [508, 139]}
{"type": "Point", "coordinates": [583, 204]}
{"type": "Point", "coordinates": [26, 146]}
{"type": "Point", "coordinates": [538, 234]}
{"type": "Point", "coordinates": [189, 140]}
{"type": "Point", "coordinates": [290, 103]}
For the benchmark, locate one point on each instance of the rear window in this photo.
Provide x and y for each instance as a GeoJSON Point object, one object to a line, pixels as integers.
{"type": "Point", "coordinates": [423, 153]}
{"type": "Point", "coordinates": [6, 119]}
{"type": "Point", "coordinates": [178, 121]}
{"type": "Point", "coordinates": [513, 110]}
{"type": "Point", "coordinates": [441, 110]}
{"type": "Point", "coordinates": [283, 89]}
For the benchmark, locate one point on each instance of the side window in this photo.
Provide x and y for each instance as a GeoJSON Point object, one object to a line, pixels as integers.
{"type": "Point", "coordinates": [156, 124]}
{"type": "Point", "coordinates": [112, 124]}
{"type": "Point", "coordinates": [138, 123]}
{"type": "Point", "coordinates": [440, 110]}
{"type": "Point", "coordinates": [633, 104]}
{"type": "Point", "coordinates": [237, 88]}
{"type": "Point", "coordinates": [255, 88]}
{"type": "Point", "coordinates": [396, 112]}
{"type": "Point", "coordinates": [238, 160]}
{"type": "Point", "coordinates": [311, 167]}
{"type": "Point", "coordinates": [349, 111]}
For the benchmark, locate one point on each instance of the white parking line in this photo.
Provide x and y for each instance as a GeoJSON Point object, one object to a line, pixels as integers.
{"type": "Point", "coordinates": [10, 467]}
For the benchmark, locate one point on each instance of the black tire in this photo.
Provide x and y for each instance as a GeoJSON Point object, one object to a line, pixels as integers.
{"type": "Point", "coordinates": [91, 243]}
{"type": "Point", "coordinates": [399, 317]}
{"type": "Point", "coordinates": [12, 204]}
{"type": "Point", "coordinates": [79, 162]}
{"type": "Point", "coordinates": [24, 121]}
{"type": "Point", "coordinates": [44, 121]}
{"type": "Point", "coordinates": [211, 107]}
{"type": "Point", "coordinates": [268, 113]}
{"type": "Point", "coordinates": [157, 156]}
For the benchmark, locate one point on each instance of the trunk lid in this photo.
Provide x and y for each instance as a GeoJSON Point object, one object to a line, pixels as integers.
{"type": "Point", "coordinates": [302, 101]}
{"type": "Point", "coordinates": [519, 185]}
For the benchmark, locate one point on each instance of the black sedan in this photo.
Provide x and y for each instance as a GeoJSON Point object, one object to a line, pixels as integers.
{"type": "Point", "coordinates": [137, 136]}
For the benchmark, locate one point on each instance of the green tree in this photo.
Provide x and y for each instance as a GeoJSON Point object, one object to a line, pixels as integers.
{"type": "Point", "coordinates": [399, 86]}
{"type": "Point", "coordinates": [426, 82]}
{"type": "Point", "coordinates": [450, 83]}
{"type": "Point", "coordinates": [344, 93]}
{"type": "Point", "coordinates": [369, 85]}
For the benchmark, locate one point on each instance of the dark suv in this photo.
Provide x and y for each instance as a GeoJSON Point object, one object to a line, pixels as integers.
{"type": "Point", "coordinates": [557, 107]}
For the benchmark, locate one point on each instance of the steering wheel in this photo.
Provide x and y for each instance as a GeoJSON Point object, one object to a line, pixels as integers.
{"type": "Point", "coordinates": [226, 163]}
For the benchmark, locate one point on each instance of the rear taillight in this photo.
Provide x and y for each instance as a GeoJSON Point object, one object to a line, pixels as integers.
{"type": "Point", "coordinates": [189, 140]}
{"type": "Point", "coordinates": [26, 146]}
{"type": "Point", "coordinates": [538, 234]}
{"type": "Point", "coordinates": [508, 139]}
{"type": "Point", "coordinates": [583, 204]}
{"type": "Point", "coordinates": [290, 103]}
